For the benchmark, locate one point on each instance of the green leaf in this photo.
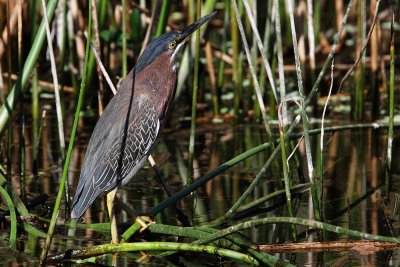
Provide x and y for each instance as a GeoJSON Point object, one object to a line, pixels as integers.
{"type": "Point", "coordinates": [110, 35]}
{"type": "Point", "coordinates": [135, 24]}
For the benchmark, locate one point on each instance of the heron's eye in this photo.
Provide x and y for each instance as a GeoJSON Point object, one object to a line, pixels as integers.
{"type": "Point", "coordinates": [172, 44]}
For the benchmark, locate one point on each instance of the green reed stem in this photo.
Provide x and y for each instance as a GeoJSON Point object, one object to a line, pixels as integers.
{"type": "Point", "coordinates": [163, 19]}
{"type": "Point", "coordinates": [281, 72]}
{"type": "Point", "coordinates": [252, 70]}
{"type": "Point", "coordinates": [317, 18]}
{"type": "Point", "coordinates": [358, 108]}
{"type": "Point", "coordinates": [231, 242]}
{"type": "Point", "coordinates": [102, 12]}
{"type": "Point", "coordinates": [298, 221]}
{"type": "Point", "coordinates": [70, 147]}
{"type": "Point", "coordinates": [189, 179]}
{"type": "Point", "coordinates": [156, 246]}
{"type": "Point", "coordinates": [199, 233]}
{"type": "Point", "coordinates": [233, 210]}
{"type": "Point", "coordinates": [253, 50]}
{"type": "Point", "coordinates": [208, 7]}
{"type": "Point", "coordinates": [221, 65]}
{"type": "Point", "coordinates": [270, 196]}
{"type": "Point", "coordinates": [286, 179]}
{"type": "Point", "coordinates": [19, 205]}
{"type": "Point", "coordinates": [235, 62]}
{"type": "Point", "coordinates": [13, 216]}
{"type": "Point", "coordinates": [304, 118]}
{"type": "Point", "coordinates": [266, 42]}
{"type": "Point", "coordinates": [261, 48]}
{"type": "Point", "coordinates": [36, 141]}
{"type": "Point", "coordinates": [264, 258]}
{"type": "Point", "coordinates": [35, 118]}
{"type": "Point", "coordinates": [260, 201]}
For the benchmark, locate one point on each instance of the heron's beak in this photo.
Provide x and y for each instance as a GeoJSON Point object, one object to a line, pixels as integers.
{"type": "Point", "coordinates": [187, 31]}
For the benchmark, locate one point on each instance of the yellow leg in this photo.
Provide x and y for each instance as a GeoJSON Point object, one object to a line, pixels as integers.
{"type": "Point", "coordinates": [111, 213]}
{"type": "Point", "coordinates": [144, 221]}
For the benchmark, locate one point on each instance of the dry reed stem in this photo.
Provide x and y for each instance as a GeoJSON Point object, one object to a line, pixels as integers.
{"type": "Point", "coordinates": [100, 92]}
{"type": "Point", "coordinates": [102, 68]}
{"type": "Point", "coordinates": [55, 80]}
{"type": "Point", "coordinates": [19, 8]}
{"type": "Point", "coordinates": [310, 34]}
{"type": "Point", "coordinates": [281, 71]}
{"type": "Point", "coordinates": [153, 21]}
{"type": "Point", "coordinates": [261, 48]}
{"type": "Point", "coordinates": [41, 83]}
{"type": "Point", "coordinates": [213, 80]}
{"type": "Point", "coordinates": [339, 9]}
{"type": "Point", "coordinates": [374, 43]}
{"type": "Point", "coordinates": [79, 22]}
{"type": "Point", "coordinates": [251, 67]}
{"type": "Point", "coordinates": [4, 37]}
{"type": "Point", "coordinates": [299, 12]}
{"type": "Point", "coordinates": [364, 46]}
{"type": "Point", "coordinates": [323, 116]}
{"type": "Point", "coordinates": [210, 66]}
{"type": "Point", "coordinates": [3, 98]}
{"type": "Point", "coordinates": [366, 246]}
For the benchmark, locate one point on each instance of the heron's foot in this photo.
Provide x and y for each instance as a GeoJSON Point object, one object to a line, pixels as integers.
{"type": "Point", "coordinates": [145, 222]}
{"type": "Point", "coordinates": [144, 257]}
{"type": "Point", "coordinates": [114, 242]}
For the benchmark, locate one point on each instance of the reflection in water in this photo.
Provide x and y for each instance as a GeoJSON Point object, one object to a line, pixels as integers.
{"type": "Point", "coordinates": [352, 179]}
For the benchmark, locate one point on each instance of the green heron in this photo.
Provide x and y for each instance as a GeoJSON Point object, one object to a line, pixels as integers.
{"type": "Point", "coordinates": [130, 124]}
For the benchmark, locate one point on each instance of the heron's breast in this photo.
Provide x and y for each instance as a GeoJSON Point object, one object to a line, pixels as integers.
{"type": "Point", "coordinates": [158, 81]}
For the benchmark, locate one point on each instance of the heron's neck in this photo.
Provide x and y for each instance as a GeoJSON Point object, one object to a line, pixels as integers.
{"type": "Point", "coordinates": [158, 81]}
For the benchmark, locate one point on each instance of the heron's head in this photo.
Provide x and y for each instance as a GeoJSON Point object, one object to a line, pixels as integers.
{"type": "Point", "coordinates": [170, 43]}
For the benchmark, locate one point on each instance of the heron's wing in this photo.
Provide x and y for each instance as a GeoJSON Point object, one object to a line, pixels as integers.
{"type": "Point", "coordinates": [119, 155]}
{"type": "Point", "coordinates": [128, 149]}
